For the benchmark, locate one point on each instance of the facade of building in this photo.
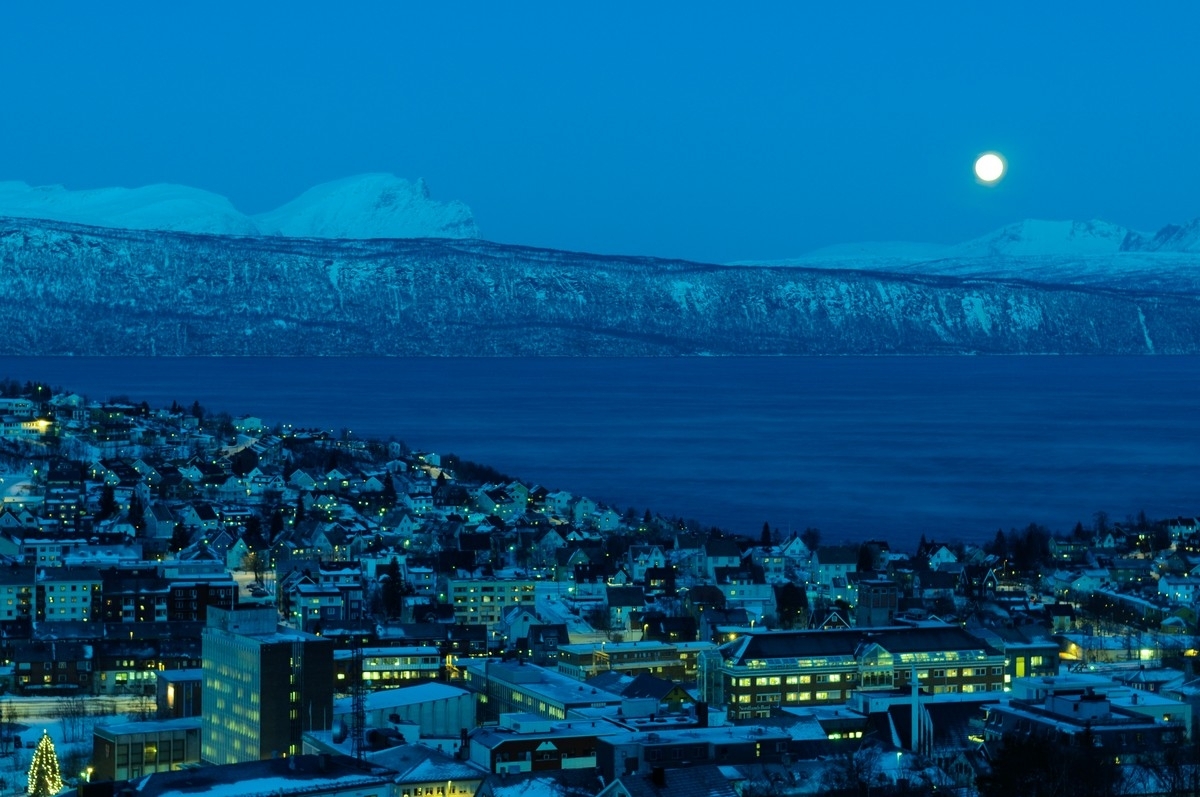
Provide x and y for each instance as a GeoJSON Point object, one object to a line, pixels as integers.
{"type": "Point", "coordinates": [763, 670]}
{"type": "Point", "coordinates": [264, 685]}
{"type": "Point", "coordinates": [529, 743]}
{"type": "Point", "coordinates": [487, 601]}
{"type": "Point", "coordinates": [507, 687]}
{"type": "Point", "coordinates": [670, 660]}
{"type": "Point", "coordinates": [132, 749]}
{"type": "Point", "coordinates": [68, 594]}
{"type": "Point", "coordinates": [384, 668]}
{"type": "Point", "coordinates": [177, 693]}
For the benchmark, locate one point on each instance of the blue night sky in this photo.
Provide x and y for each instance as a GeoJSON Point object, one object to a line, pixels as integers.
{"type": "Point", "coordinates": [686, 130]}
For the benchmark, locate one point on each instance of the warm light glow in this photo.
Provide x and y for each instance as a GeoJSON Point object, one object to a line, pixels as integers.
{"type": "Point", "coordinates": [989, 167]}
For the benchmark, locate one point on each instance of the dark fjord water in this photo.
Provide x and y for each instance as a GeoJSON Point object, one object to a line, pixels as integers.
{"type": "Point", "coordinates": [858, 447]}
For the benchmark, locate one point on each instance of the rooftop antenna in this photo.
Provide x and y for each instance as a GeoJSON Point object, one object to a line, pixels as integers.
{"type": "Point", "coordinates": [358, 701]}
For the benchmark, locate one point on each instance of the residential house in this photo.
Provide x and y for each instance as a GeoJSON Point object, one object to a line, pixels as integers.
{"type": "Point", "coordinates": [720, 552]}
{"type": "Point", "coordinates": [624, 606]}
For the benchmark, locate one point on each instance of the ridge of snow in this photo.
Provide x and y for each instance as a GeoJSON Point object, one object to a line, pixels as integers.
{"type": "Point", "coordinates": [163, 206]}
{"type": "Point", "coordinates": [899, 250]}
{"type": "Point", "coordinates": [1172, 238]}
{"type": "Point", "coordinates": [369, 206]}
{"type": "Point", "coordinates": [364, 206]}
{"type": "Point", "coordinates": [1034, 237]}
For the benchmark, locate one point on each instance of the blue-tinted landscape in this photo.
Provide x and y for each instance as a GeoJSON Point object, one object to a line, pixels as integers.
{"type": "Point", "coordinates": [861, 448]}
{"type": "Point", "coordinates": [624, 400]}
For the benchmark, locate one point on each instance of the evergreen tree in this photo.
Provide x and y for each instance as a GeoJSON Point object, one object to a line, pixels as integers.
{"type": "Point", "coordinates": [108, 503]}
{"type": "Point", "coordinates": [137, 514]}
{"type": "Point", "coordinates": [44, 777]}
{"type": "Point", "coordinates": [791, 602]}
{"type": "Point", "coordinates": [180, 538]}
{"type": "Point", "coordinates": [394, 589]}
{"type": "Point", "coordinates": [811, 538]}
{"type": "Point", "coordinates": [765, 539]}
{"type": "Point", "coordinates": [1000, 545]}
{"type": "Point", "coordinates": [276, 524]}
{"type": "Point", "coordinates": [866, 558]}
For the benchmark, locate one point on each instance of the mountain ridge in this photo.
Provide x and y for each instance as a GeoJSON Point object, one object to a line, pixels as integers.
{"type": "Point", "coordinates": [375, 205]}
{"type": "Point", "coordinates": [84, 290]}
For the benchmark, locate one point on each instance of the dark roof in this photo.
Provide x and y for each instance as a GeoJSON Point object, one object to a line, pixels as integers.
{"type": "Point", "coordinates": [291, 773]}
{"type": "Point", "coordinates": [701, 781]}
{"type": "Point", "coordinates": [626, 596]}
{"type": "Point", "coordinates": [939, 579]}
{"type": "Point", "coordinates": [544, 633]}
{"type": "Point", "coordinates": [475, 542]}
{"type": "Point", "coordinates": [719, 546]}
{"type": "Point", "coordinates": [837, 555]}
{"type": "Point", "coordinates": [646, 685]}
{"type": "Point", "coordinates": [844, 642]}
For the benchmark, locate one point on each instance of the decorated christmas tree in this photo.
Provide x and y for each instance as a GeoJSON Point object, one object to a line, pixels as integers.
{"type": "Point", "coordinates": [44, 779]}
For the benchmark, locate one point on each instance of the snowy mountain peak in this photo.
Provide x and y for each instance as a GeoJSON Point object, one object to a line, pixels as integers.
{"type": "Point", "coordinates": [1034, 237]}
{"type": "Point", "coordinates": [366, 206]}
{"type": "Point", "coordinates": [369, 206]}
{"type": "Point", "coordinates": [1172, 238]}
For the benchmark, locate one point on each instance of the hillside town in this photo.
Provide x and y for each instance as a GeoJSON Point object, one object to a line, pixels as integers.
{"type": "Point", "coordinates": [213, 605]}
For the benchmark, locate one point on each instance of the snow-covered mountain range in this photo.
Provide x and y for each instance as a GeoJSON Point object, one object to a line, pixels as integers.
{"type": "Point", "coordinates": [372, 265]}
{"type": "Point", "coordinates": [73, 289]}
{"type": "Point", "coordinates": [365, 206]}
{"type": "Point", "coordinates": [1092, 253]}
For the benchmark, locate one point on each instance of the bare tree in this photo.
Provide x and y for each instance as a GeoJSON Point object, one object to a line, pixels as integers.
{"type": "Point", "coordinates": [854, 772]}
{"type": "Point", "coordinates": [72, 711]}
{"type": "Point", "coordinates": [143, 709]}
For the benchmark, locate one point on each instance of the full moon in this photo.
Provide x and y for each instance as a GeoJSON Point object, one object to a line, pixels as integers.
{"type": "Point", "coordinates": [989, 167]}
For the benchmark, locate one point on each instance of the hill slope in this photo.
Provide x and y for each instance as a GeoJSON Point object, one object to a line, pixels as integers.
{"type": "Point", "coordinates": [81, 290]}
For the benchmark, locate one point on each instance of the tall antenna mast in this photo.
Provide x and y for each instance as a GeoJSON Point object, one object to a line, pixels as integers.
{"type": "Point", "coordinates": [358, 701]}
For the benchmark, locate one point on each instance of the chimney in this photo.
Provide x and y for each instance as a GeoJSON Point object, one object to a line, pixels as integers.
{"type": "Point", "coordinates": [702, 714]}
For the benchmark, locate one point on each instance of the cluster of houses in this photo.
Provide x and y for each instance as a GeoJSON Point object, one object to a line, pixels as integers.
{"type": "Point", "coordinates": [513, 634]}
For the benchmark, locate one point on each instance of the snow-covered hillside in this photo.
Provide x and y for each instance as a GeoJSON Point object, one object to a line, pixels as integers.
{"type": "Point", "coordinates": [93, 291]}
{"type": "Point", "coordinates": [366, 206]}
{"type": "Point", "coordinates": [1036, 238]}
{"type": "Point", "coordinates": [369, 206]}
{"type": "Point", "coordinates": [1172, 238]}
{"type": "Point", "coordinates": [151, 207]}
{"type": "Point", "coordinates": [1092, 253]}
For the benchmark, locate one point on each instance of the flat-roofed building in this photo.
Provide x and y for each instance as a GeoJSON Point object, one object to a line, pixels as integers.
{"type": "Point", "coordinates": [512, 687]}
{"type": "Point", "coordinates": [486, 600]}
{"type": "Point", "coordinates": [16, 596]}
{"type": "Point", "coordinates": [264, 685]}
{"type": "Point", "coordinates": [127, 750]}
{"type": "Point", "coordinates": [68, 593]}
{"type": "Point", "coordinates": [307, 775]}
{"type": "Point", "coordinates": [529, 743]}
{"type": "Point", "coordinates": [1071, 714]}
{"type": "Point", "coordinates": [386, 667]}
{"type": "Point", "coordinates": [177, 692]}
{"type": "Point", "coordinates": [437, 710]}
{"type": "Point", "coordinates": [675, 661]}
{"type": "Point", "coordinates": [763, 670]}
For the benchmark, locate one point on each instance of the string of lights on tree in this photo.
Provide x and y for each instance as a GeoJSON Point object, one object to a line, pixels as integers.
{"type": "Point", "coordinates": [44, 777]}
